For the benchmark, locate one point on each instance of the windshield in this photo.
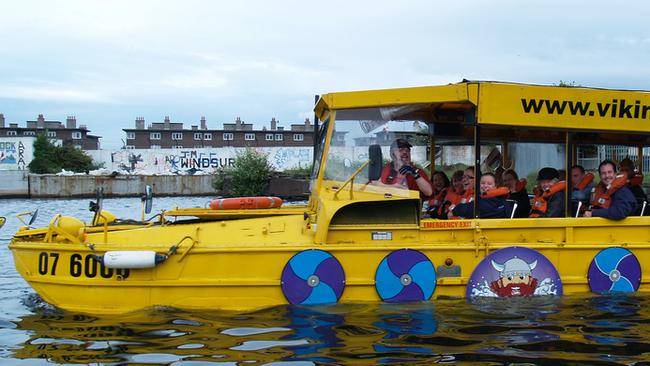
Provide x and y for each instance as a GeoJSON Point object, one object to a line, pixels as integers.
{"type": "Point", "coordinates": [402, 142]}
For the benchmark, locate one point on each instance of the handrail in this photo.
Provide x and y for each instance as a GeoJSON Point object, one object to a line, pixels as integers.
{"type": "Point", "coordinates": [351, 180]}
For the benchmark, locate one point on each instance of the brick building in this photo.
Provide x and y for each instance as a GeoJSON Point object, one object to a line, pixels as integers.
{"type": "Point", "coordinates": [167, 134]}
{"type": "Point", "coordinates": [68, 133]}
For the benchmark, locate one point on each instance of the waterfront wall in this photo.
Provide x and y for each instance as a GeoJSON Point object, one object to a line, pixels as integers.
{"type": "Point", "coordinates": [21, 184]}
{"type": "Point", "coordinates": [195, 161]}
{"type": "Point", "coordinates": [48, 185]}
{"type": "Point", "coordinates": [14, 183]}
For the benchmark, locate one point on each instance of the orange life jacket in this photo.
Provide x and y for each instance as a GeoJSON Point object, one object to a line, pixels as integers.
{"type": "Point", "coordinates": [539, 204]}
{"type": "Point", "coordinates": [588, 178]}
{"type": "Point", "coordinates": [636, 179]}
{"type": "Point", "coordinates": [468, 196]}
{"type": "Point", "coordinates": [438, 198]}
{"type": "Point", "coordinates": [496, 192]}
{"type": "Point", "coordinates": [601, 195]}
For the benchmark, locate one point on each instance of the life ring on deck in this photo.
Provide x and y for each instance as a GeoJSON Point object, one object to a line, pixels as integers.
{"type": "Point", "coordinates": [245, 203]}
{"type": "Point", "coordinates": [313, 277]}
{"type": "Point", "coordinates": [405, 275]}
{"type": "Point", "coordinates": [614, 269]}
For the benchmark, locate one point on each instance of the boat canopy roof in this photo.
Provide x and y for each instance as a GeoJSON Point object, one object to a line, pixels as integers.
{"type": "Point", "coordinates": [508, 104]}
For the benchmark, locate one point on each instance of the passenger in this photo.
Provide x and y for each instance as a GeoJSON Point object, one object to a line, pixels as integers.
{"type": "Point", "coordinates": [549, 200]}
{"type": "Point", "coordinates": [454, 193]}
{"type": "Point", "coordinates": [611, 198]}
{"type": "Point", "coordinates": [581, 183]}
{"type": "Point", "coordinates": [635, 180]}
{"type": "Point", "coordinates": [401, 170]}
{"type": "Point", "coordinates": [468, 192]}
{"type": "Point", "coordinates": [490, 204]}
{"type": "Point", "coordinates": [440, 187]}
{"type": "Point", "coordinates": [517, 193]}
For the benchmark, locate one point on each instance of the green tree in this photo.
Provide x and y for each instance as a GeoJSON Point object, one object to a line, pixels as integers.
{"type": "Point", "coordinates": [50, 159]}
{"type": "Point", "coordinates": [249, 176]}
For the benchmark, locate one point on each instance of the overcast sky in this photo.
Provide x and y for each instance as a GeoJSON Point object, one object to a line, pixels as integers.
{"type": "Point", "coordinates": [108, 62]}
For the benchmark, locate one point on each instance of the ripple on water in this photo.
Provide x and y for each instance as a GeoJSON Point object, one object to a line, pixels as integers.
{"type": "Point", "coordinates": [574, 330]}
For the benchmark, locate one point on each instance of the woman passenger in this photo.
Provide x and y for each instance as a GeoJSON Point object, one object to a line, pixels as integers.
{"type": "Point", "coordinates": [440, 187]}
{"type": "Point", "coordinates": [491, 203]}
{"type": "Point", "coordinates": [517, 193]}
{"type": "Point", "coordinates": [454, 193]}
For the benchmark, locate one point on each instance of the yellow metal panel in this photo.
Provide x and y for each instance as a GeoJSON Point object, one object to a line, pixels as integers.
{"type": "Point", "coordinates": [457, 93]}
{"type": "Point", "coordinates": [563, 107]}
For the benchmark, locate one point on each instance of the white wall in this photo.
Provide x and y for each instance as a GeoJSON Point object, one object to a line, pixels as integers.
{"type": "Point", "coordinates": [205, 160]}
{"type": "Point", "coordinates": [16, 152]}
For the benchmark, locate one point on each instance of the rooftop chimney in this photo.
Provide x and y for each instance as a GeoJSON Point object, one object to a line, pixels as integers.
{"type": "Point", "coordinates": [40, 121]}
{"type": "Point", "coordinates": [139, 123]}
{"type": "Point", "coordinates": [307, 124]}
{"type": "Point", "coordinates": [71, 122]}
{"type": "Point", "coordinates": [238, 124]}
{"type": "Point", "coordinates": [167, 124]}
{"type": "Point", "coordinates": [274, 124]}
{"type": "Point", "coordinates": [2, 120]}
{"type": "Point", "coordinates": [204, 124]}
{"type": "Point", "coordinates": [195, 128]}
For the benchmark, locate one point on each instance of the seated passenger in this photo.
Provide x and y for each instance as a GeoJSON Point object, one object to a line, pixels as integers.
{"type": "Point", "coordinates": [549, 199]}
{"type": "Point", "coordinates": [468, 192]}
{"type": "Point", "coordinates": [402, 172]}
{"type": "Point", "coordinates": [490, 204]}
{"type": "Point", "coordinates": [635, 180]}
{"type": "Point", "coordinates": [581, 183]}
{"type": "Point", "coordinates": [440, 187]}
{"type": "Point", "coordinates": [454, 193]}
{"type": "Point", "coordinates": [517, 193]}
{"type": "Point", "coordinates": [611, 198]}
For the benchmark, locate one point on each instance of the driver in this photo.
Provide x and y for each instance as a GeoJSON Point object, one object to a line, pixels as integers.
{"type": "Point", "coordinates": [402, 172]}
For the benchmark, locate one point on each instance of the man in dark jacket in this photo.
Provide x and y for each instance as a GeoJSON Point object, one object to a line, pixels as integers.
{"type": "Point", "coordinates": [621, 201]}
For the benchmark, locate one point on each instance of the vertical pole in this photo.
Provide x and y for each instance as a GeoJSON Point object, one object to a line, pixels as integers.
{"type": "Point", "coordinates": [316, 97]}
{"type": "Point", "coordinates": [568, 204]}
{"type": "Point", "coordinates": [639, 155]}
{"type": "Point", "coordinates": [477, 165]}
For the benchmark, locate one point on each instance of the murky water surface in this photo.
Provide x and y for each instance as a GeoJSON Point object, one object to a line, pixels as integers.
{"type": "Point", "coordinates": [574, 330]}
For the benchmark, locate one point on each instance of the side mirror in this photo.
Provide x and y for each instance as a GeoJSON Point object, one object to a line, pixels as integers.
{"type": "Point", "coordinates": [376, 160]}
{"type": "Point", "coordinates": [147, 199]}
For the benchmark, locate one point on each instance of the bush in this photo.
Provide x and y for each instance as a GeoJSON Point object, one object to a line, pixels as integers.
{"type": "Point", "coordinates": [249, 176]}
{"type": "Point", "coordinates": [299, 173]}
{"type": "Point", "coordinates": [51, 159]}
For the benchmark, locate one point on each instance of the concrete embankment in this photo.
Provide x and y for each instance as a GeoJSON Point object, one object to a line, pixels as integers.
{"type": "Point", "coordinates": [22, 184]}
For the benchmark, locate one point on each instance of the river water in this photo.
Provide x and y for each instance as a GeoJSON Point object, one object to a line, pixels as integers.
{"type": "Point", "coordinates": [573, 330]}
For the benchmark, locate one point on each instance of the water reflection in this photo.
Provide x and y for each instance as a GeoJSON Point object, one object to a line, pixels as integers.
{"type": "Point", "coordinates": [573, 330]}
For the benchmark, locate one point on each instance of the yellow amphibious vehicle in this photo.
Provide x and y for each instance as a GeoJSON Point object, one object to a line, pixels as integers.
{"type": "Point", "coordinates": [358, 239]}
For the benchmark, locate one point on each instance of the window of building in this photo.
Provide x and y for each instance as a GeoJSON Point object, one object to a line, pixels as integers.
{"type": "Point", "coordinates": [278, 137]}
{"type": "Point", "coordinates": [130, 147]}
{"type": "Point", "coordinates": [51, 133]}
{"type": "Point", "coordinates": [29, 133]}
{"type": "Point", "coordinates": [155, 147]}
{"type": "Point", "coordinates": [269, 137]}
{"type": "Point", "coordinates": [340, 137]}
{"type": "Point", "coordinates": [249, 136]}
{"type": "Point", "coordinates": [154, 136]}
{"type": "Point", "coordinates": [207, 136]}
{"type": "Point", "coordinates": [177, 147]}
{"type": "Point", "coordinates": [298, 137]}
{"type": "Point", "coordinates": [12, 133]}
{"type": "Point", "coordinates": [130, 135]}
{"type": "Point", "coordinates": [197, 136]}
{"type": "Point", "coordinates": [76, 135]}
{"type": "Point", "coordinates": [228, 136]}
{"type": "Point", "coordinates": [177, 135]}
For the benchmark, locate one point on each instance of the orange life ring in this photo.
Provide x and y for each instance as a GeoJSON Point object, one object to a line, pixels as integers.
{"type": "Point", "coordinates": [245, 203]}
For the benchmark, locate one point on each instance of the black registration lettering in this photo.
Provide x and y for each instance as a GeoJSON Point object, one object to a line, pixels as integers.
{"type": "Point", "coordinates": [90, 267]}
{"type": "Point", "coordinates": [44, 263]}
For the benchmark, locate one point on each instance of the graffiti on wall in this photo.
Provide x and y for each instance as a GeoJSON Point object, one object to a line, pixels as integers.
{"type": "Point", "coordinates": [15, 153]}
{"type": "Point", "coordinates": [195, 161]}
